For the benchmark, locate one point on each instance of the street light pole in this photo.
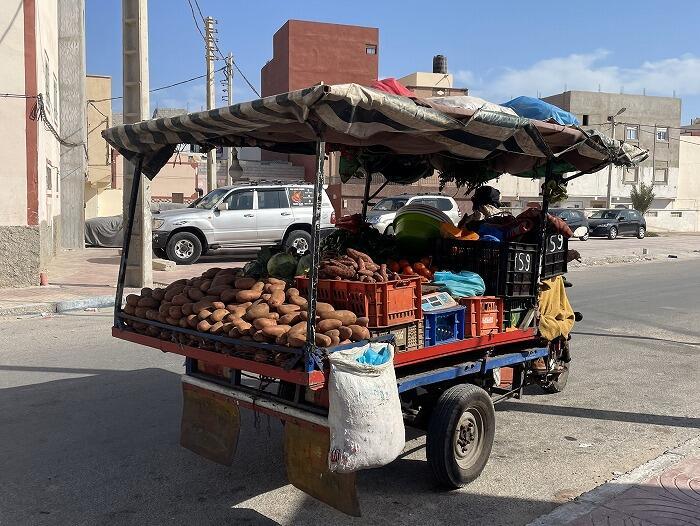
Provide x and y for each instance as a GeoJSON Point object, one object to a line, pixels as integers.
{"type": "Point", "coordinates": [612, 121]}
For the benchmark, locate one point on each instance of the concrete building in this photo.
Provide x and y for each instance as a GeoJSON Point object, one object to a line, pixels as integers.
{"type": "Point", "coordinates": [30, 204]}
{"type": "Point", "coordinates": [691, 129]}
{"type": "Point", "coordinates": [425, 84]}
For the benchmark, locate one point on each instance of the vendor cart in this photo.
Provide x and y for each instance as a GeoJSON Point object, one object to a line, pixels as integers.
{"type": "Point", "coordinates": [449, 387]}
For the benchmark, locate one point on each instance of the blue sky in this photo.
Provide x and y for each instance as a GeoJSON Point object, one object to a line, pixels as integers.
{"type": "Point", "coordinates": [497, 49]}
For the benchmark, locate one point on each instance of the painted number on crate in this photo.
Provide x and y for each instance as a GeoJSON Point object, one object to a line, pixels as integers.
{"type": "Point", "coordinates": [523, 262]}
{"type": "Point", "coordinates": [556, 243]}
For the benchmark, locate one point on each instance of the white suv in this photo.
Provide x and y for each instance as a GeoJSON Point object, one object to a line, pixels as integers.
{"type": "Point", "coordinates": [382, 214]}
{"type": "Point", "coordinates": [247, 216]}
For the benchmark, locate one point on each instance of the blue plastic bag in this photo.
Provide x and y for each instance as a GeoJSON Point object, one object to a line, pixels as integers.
{"type": "Point", "coordinates": [372, 357]}
{"type": "Point", "coordinates": [461, 285]}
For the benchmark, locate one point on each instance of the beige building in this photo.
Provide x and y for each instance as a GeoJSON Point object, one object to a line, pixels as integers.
{"type": "Point", "coordinates": [425, 84]}
{"type": "Point", "coordinates": [31, 183]}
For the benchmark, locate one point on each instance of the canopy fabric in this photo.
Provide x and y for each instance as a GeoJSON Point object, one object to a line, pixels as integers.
{"type": "Point", "coordinates": [533, 108]}
{"type": "Point", "coordinates": [350, 115]}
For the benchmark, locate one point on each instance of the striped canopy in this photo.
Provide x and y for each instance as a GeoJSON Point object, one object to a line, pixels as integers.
{"type": "Point", "coordinates": [351, 115]}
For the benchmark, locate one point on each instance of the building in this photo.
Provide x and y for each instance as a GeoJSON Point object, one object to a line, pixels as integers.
{"type": "Point", "coordinates": [691, 129]}
{"type": "Point", "coordinates": [438, 83]}
{"type": "Point", "coordinates": [30, 203]}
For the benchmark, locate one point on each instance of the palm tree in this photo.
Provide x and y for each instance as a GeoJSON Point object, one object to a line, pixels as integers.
{"type": "Point", "coordinates": [642, 197]}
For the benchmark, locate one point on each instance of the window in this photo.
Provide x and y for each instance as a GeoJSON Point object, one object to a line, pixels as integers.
{"type": "Point", "coordinates": [49, 177]}
{"type": "Point", "coordinates": [241, 200]}
{"type": "Point", "coordinates": [371, 49]}
{"type": "Point", "coordinates": [652, 213]}
{"type": "Point", "coordinates": [634, 215]}
{"type": "Point", "coordinates": [55, 99]}
{"type": "Point", "coordinates": [273, 198]}
{"type": "Point", "coordinates": [444, 205]}
{"type": "Point", "coordinates": [676, 214]}
{"type": "Point", "coordinates": [661, 172]}
{"type": "Point", "coordinates": [632, 133]}
{"type": "Point", "coordinates": [584, 120]}
{"type": "Point", "coordinates": [630, 176]}
{"type": "Point", "coordinates": [425, 201]}
{"type": "Point", "coordinates": [662, 134]}
{"type": "Point", "coordinates": [505, 204]}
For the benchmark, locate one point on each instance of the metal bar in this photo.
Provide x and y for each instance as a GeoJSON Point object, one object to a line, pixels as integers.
{"type": "Point", "coordinates": [514, 358]}
{"type": "Point", "coordinates": [315, 255]}
{"type": "Point", "coordinates": [438, 375]}
{"type": "Point", "coordinates": [127, 239]}
{"type": "Point", "coordinates": [375, 194]}
{"type": "Point", "coordinates": [365, 199]}
{"type": "Point", "coordinates": [541, 239]}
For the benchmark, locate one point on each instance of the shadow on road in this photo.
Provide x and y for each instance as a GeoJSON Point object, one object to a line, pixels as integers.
{"type": "Point", "coordinates": [634, 337]}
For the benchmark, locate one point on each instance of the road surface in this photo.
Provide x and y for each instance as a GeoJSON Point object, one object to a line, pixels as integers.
{"type": "Point", "coordinates": [89, 425]}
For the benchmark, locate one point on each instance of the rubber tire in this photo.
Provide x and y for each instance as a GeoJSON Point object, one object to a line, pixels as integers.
{"type": "Point", "coordinates": [179, 236]}
{"type": "Point", "coordinates": [298, 234]}
{"type": "Point", "coordinates": [612, 233]}
{"type": "Point", "coordinates": [451, 405]}
{"type": "Point", "coordinates": [558, 385]}
{"type": "Point", "coordinates": [160, 253]}
{"type": "Point", "coordinates": [585, 237]}
{"type": "Point", "coordinates": [641, 232]}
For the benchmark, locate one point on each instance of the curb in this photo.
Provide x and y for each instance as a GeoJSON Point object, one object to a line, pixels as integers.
{"type": "Point", "coordinates": [599, 496]}
{"type": "Point", "coordinates": [59, 307]}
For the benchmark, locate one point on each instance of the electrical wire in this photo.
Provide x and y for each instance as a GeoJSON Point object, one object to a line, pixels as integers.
{"type": "Point", "coordinates": [194, 17]}
{"type": "Point", "coordinates": [39, 113]}
{"type": "Point", "coordinates": [16, 96]}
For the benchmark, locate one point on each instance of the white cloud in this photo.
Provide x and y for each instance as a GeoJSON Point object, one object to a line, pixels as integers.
{"type": "Point", "coordinates": [587, 72]}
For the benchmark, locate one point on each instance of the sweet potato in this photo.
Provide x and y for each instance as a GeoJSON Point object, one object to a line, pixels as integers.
{"type": "Point", "coordinates": [265, 297]}
{"type": "Point", "coordinates": [346, 317]}
{"type": "Point", "coordinates": [261, 310]}
{"type": "Point", "coordinates": [290, 319]}
{"type": "Point", "coordinates": [298, 300]}
{"type": "Point", "coordinates": [273, 331]}
{"type": "Point", "coordinates": [273, 316]}
{"type": "Point", "coordinates": [363, 321]}
{"type": "Point", "coordinates": [148, 302]}
{"type": "Point", "coordinates": [229, 295]}
{"type": "Point", "coordinates": [216, 291]}
{"type": "Point", "coordinates": [181, 299]}
{"type": "Point", "coordinates": [271, 287]}
{"type": "Point", "coordinates": [324, 307]}
{"type": "Point", "coordinates": [187, 309]}
{"type": "Point", "coordinates": [282, 338]}
{"type": "Point", "coordinates": [192, 320]}
{"type": "Point", "coordinates": [129, 309]}
{"type": "Point", "coordinates": [182, 322]}
{"type": "Point", "coordinates": [359, 333]}
{"type": "Point", "coordinates": [261, 323]}
{"type": "Point", "coordinates": [175, 312]}
{"type": "Point", "coordinates": [172, 321]}
{"type": "Point", "coordinates": [292, 292]}
{"type": "Point", "coordinates": [133, 300]}
{"type": "Point", "coordinates": [140, 312]}
{"type": "Point", "coordinates": [334, 335]}
{"type": "Point", "coordinates": [175, 284]}
{"type": "Point", "coordinates": [344, 333]}
{"type": "Point", "coordinates": [201, 305]}
{"type": "Point", "coordinates": [286, 308]}
{"type": "Point", "coordinates": [297, 339]}
{"type": "Point", "coordinates": [158, 294]}
{"type": "Point", "coordinates": [236, 311]}
{"type": "Point", "coordinates": [216, 328]}
{"type": "Point", "coordinates": [322, 340]}
{"type": "Point", "coordinates": [218, 315]}
{"type": "Point", "coordinates": [152, 314]}
{"type": "Point", "coordinates": [146, 292]}
{"type": "Point", "coordinates": [203, 326]}
{"type": "Point", "coordinates": [248, 295]}
{"type": "Point", "coordinates": [204, 314]}
{"type": "Point", "coordinates": [244, 283]}
{"type": "Point", "coordinates": [195, 294]}
{"type": "Point", "coordinates": [218, 305]}
{"type": "Point", "coordinates": [259, 286]}
{"type": "Point", "coordinates": [277, 298]}
{"type": "Point", "coordinates": [223, 279]}
{"type": "Point", "coordinates": [329, 324]}
{"type": "Point", "coordinates": [299, 327]}
{"type": "Point", "coordinates": [210, 273]}
{"type": "Point", "coordinates": [276, 281]}
{"type": "Point", "coordinates": [170, 293]}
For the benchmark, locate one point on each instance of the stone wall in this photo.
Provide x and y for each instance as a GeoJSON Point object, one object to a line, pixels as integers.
{"type": "Point", "coordinates": [20, 256]}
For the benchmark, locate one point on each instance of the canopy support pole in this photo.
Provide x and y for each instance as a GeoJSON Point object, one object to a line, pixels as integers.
{"type": "Point", "coordinates": [128, 228]}
{"type": "Point", "coordinates": [315, 254]}
{"type": "Point", "coordinates": [542, 238]}
{"type": "Point", "coordinates": [365, 199]}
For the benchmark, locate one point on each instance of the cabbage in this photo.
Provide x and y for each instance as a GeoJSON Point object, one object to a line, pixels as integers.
{"type": "Point", "coordinates": [253, 269]}
{"type": "Point", "coordinates": [282, 266]}
{"type": "Point", "coordinates": [304, 265]}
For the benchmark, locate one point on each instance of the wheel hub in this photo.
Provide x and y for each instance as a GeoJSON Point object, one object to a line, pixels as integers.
{"type": "Point", "coordinates": [184, 249]}
{"type": "Point", "coordinates": [467, 440]}
{"type": "Point", "coordinates": [300, 245]}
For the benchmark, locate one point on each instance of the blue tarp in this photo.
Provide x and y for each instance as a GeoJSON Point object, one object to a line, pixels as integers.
{"type": "Point", "coordinates": [532, 108]}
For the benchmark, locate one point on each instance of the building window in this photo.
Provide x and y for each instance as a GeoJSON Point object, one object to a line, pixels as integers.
{"type": "Point", "coordinates": [49, 178]}
{"type": "Point", "coordinates": [661, 172]}
{"type": "Point", "coordinates": [676, 214]}
{"type": "Point", "coordinates": [584, 120]}
{"type": "Point", "coordinates": [632, 133]}
{"type": "Point", "coordinates": [371, 49]}
{"type": "Point", "coordinates": [631, 176]}
{"type": "Point", "coordinates": [662, 134]}
{"type": "Point", "coordinates": [652, 213]}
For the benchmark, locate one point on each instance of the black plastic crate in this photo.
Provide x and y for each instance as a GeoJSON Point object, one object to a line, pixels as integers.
{"type": "Point", "coordinates": [555, 251]}
{"type": "Point", "coordinates": [514, 309]}
{"type": "Point", "coordinates": [508, 268]}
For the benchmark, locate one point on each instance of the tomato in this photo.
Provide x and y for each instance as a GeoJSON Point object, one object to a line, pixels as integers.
{"type": "Point", "coordinates": [423, 271]}
{"type": "Point", "coordinates": [394, 266]}
{"type": "Point", "coordinates": [408, 270]}
{"type": "Point", "coordinates": [418, 266]}
{"type": "Point", "coordinates": [404, 263]}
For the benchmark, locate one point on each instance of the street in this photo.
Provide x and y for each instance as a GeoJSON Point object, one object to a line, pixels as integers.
{"type": "Point", "coordinates": [89, 425]}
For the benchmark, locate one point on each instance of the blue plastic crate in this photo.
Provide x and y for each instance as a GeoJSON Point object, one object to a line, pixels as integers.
{"type": "Point", "coordinates": [444, 326]}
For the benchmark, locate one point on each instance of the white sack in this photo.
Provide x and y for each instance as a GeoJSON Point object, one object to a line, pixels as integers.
{"type": "Point", "coordinates": [364, 414]}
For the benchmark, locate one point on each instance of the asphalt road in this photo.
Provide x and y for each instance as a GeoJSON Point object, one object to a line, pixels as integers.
{"type": "Point", "coordinates": [89, 425]}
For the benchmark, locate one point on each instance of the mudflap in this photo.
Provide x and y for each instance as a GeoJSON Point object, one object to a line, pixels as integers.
{"type": "Point", "coordinates": [211, 424]}
{"type": "Point", "coordinates": [306, 458]}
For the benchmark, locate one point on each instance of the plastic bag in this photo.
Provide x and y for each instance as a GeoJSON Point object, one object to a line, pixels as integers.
{"type": "Point", "coordinates": [364, 414]}
{"type": "Point", "coordinates": [461, 285]}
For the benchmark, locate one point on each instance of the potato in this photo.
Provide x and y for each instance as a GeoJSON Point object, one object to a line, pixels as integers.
{"type": "Point", "coordinates": [178, 283]}
{"type": "Point", "coordinates": [273, 316]}
{"type": "Point", "coordinates": [276, 281]}
{"type": "Point", "coordinates": [203, 326]}
{"type": "Point", "coordinates": [158, 294]}
{"type": "Point", "coordinates": [163, 318]}
{"type": "Point", "coordinates": [146, 292]}
{"type": "Point", "coordinates": [297, 339]}
{"type": "Point", "coordinates": [182, 322]}
{"type": "Point", "coordinates": [164, 307]}
{"type": "Point", "coordinates": [187, 309]}
{"type": "Point", "coordinates": [290, 319]}
{"type": "Point", "coordinates": [181, 299]}
{"type": "Point", "coordinates": [140, 312]}
{"type": "Point", "coordinates": [204, 314]}
{"type": "Point", "coordinates": [192, 320]}
{"type": "Point", "coordinates": [195, 294]}
{"type": "Point", "coordinates": [218, 315]}
{"type": "Point", "coordinates": [261, 310]}
{"type": "Point", "coordinates": [248, 295]}
{"type": "Point", "coordinates": [244, 283]}
{"type": "Point", "coordinates": [324, 307]}
{"type": "Point", "coordinates": [175, 312]}
{"type": "Point", "coordinates": [129, 309]}
{"type": "Point", "coordinates": [204, 285]}
{"type": "Point", "coordinates": [216, 291]}
{"type": "Point", "coordinates": [273, 331]}
{"type": "Point", "coordinates": [347, 317]}
{"type": "Point", "coordinates": [218, 305]}
{"type": "Point", "coordinates": [152, 314]}
{"type": "Point", "coordinates": [216, 328]}
{"type": "Point", "coordinates": [259, 336]}
{"type": "Point", "coordinates": [223, 279]}
{"type": "Point", "coordinates": [363, 321]}
{"type": "Point", "coordinates": [172, 321]}
{"type": "Point", "coordinates": [245, 304]}
{"type": "Point", "coordinates": [265, 297]}
{"type": "Point", "coordinates": [261, 323]}
{"type": "Point", "coordinates": [148, 302]}
{"type": "Point", "coordinates": [299, 327]}
{"type": "Point", "coordinates": [210, 273]}
{"type": "Point", "coordinates": [327, 325]}
{"type": "Point", "coordinates": [292, 292]}
{"type": "Point", "coordinates": [298, 300]}
{"type": "Point", "coordinates": [345, 333]}
{"type": "Point", "coordinates": [258, 286]}
{"type": "Point", "coordinates": [282, 338]}
{"type": "Point", "coordinates": [322, 340]}
{"type": "Point", "coordinates": [277, 298]}
{"type": "Point", "coordinates": [287, 309]}
{"type": "Point", "coordinates": [133, 300]}
{"type": "Point", "coordinates": [272, 287]}
{"type": "Point", "coordinates": [229, 295]}
{"type": "Point", "coordinates": [334, 335]}
{"type": "Point", "coordinates": [227, 326]}
{"type": "Point", "coordinates": [359, 333]}
{"type": "Point", "coordinates": [236, 310]}
{"type": "Point", "coordinates": [170, 293]}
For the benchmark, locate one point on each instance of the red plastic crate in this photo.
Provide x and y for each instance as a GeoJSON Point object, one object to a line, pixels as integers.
{"type": "Point", "coordinates": [484, 315]}
{"type": "Point", "coordinates": [385, 304]}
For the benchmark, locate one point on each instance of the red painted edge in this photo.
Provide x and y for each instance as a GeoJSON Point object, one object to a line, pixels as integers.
{"type": "Point", "coordinates": [313, 380]}
{"type": "Point", "coordinates": [32, 133]}
{"type": "Point", "coordinates": [461, 346]}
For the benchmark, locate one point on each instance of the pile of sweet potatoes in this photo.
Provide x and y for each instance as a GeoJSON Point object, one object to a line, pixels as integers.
{"type": "Point", "coordinates": [355, 266]}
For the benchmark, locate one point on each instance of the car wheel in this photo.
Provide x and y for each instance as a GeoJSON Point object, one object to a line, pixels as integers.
{"type": "Point", "coordinates": [585, 236]}
{"type": "Point", "coordinates": [300, 241]}
{"type": "Point", "coordinates": [184, 248]}
{"type": "Point", "coordinates": [160, 253]}
{"type": "Point", "coordinates": [389, 231]}
{"type": "Point", "coordinates": [612, 233]}
{"type": "Point", "coordinates": [641, 232]}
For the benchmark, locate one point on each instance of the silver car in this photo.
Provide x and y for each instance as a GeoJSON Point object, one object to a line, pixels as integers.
{"type": "Point", "coordinates": [381, 216]}
{"type": "Point", "coordinates": [240, 217]}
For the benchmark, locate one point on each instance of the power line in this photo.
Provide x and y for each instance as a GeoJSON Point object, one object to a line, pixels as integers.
{"type": "Point", "coordinates": [17, 96]}
{"type": "Point", "coordinates": [194, 18]}
{"type": "Point", "coordinates": [246, 79]}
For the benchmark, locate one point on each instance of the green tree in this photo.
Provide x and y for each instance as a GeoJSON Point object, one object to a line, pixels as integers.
{"type": "Point", "coordinates": [642, 196]}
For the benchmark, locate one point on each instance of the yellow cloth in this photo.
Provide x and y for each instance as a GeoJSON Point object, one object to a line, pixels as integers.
{"type": "Point", "coordinates": [556, 314]}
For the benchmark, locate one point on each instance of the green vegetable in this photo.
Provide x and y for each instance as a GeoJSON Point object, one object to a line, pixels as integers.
{"type": "Point", "coordinates": [282, 266]}
{"type": "Point", "coordinates": [304, 265]}
{"type": "Point", "coordinates": [254, 269]}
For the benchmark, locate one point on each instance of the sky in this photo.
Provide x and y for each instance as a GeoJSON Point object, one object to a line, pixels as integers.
{"type": "Point", "coordinates": [499, 49]}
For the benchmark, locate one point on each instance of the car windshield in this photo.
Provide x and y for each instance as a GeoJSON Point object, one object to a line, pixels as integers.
{"type": "Point", "coordinates": [209, 200]}
{"type": "Point", "coordinates": [390, 204]}
{"type": "Point", "coordinates": [605, 214]}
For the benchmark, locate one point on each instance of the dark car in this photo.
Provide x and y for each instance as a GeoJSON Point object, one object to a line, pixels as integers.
{"type": "Point", "coordinates": [576, 219]}
{"type": "Point", "coordinates": [617, 222]}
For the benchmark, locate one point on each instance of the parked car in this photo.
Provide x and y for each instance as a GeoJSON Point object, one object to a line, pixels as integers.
{"type": "Point", "coordinates": [576, 219]}
{"type": "Point", "coordinates": [615, 222]}
{"type": "Point", "coordinates": [248, 216]}
{"type": "Point", "coordinates": [381, 216]}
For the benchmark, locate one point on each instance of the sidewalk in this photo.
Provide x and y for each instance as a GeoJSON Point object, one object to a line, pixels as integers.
{"type": "Point", "coordinates": [664, 491]}
{"type": "Point", "coordinates": [87, 279]}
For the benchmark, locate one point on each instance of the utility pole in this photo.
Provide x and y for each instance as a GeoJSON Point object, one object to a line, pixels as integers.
{"type": "Point", "coordinates": [209, 36]}
{"type": "Point", "coordinates": [612, 121]}
{"type": "Point", "coordinates": [139, 268]}
{"type": "Point", "coordinates": [229, 101]}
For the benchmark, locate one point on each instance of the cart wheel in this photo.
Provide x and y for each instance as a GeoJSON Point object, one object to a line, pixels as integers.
{"type": "Point", "coordinates": [558, 385]}
{"type": "Point", "coordinates": [460, 435]}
